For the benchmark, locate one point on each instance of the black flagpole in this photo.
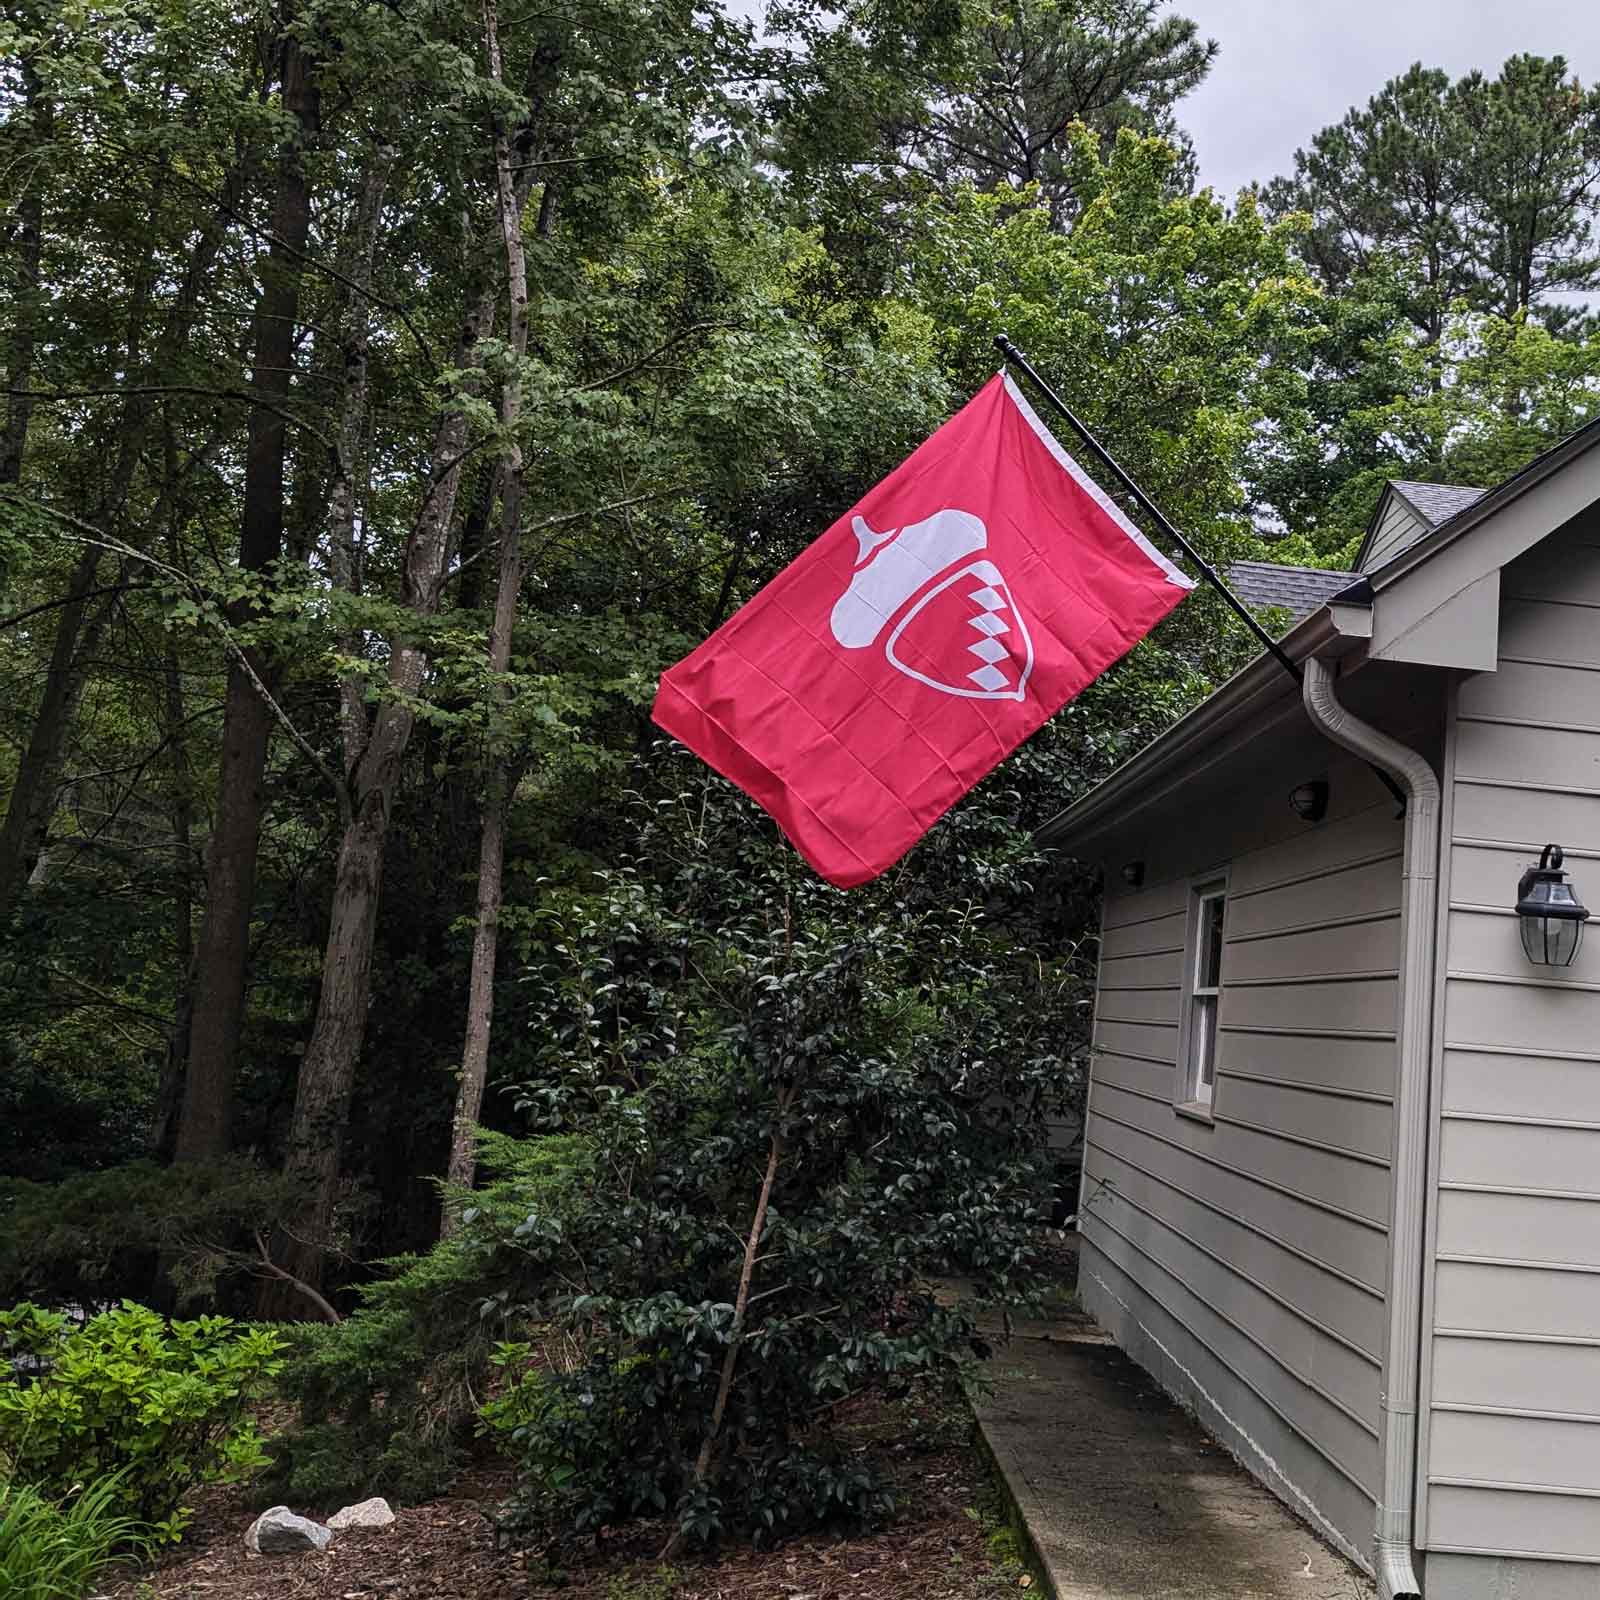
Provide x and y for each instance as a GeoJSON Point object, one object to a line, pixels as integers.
{"type": "Point", "coordinates": [1013, 355]}
{"type": "Point", "coordinates": [1004, 345]}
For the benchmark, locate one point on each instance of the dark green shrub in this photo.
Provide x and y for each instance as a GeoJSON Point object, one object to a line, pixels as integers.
{"type": "Point", "coordinates": [388, 1399]}
{"type": "Point", "coordinates": [55, 1551]}
{"type": "Point", "coordinates": [802, 1109]}
{"type": "Point", "coordinates": [99, 1236]}
{"type": "Point", "coordinates": [154, 1407]}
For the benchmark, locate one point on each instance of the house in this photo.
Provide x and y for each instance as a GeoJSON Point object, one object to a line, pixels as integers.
{"type": "Point", "coordinates": [1341, 1188]}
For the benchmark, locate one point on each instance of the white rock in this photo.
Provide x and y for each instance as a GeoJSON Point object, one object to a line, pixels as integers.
{"type": "Point", "coordinates": [373, 1513]}
{"type": "Point", "coordinates": [279, 1531]}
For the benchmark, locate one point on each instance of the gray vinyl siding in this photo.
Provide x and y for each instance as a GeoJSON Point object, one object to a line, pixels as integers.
{"type": "Point", "coordinates": [1511, 1427]}
{"type": "Point", "coordinates": [1398, 526]}
{"type": "Point", "coordinates": [1243, 1261]}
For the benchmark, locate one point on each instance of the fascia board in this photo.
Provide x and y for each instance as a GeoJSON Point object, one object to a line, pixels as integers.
{"type": "Point", "coordinates": [1462, 631]}
{"type": "Point", "coordinates": [1198, 740]}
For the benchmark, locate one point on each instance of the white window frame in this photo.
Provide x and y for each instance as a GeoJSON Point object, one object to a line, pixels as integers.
{"type": "Point", "coordinates": [1199, 1036]}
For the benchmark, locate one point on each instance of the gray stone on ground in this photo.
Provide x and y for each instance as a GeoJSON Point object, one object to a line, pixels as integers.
{"type": "Point", "coordinates": [373, 1513]}
{"type": "Point", "coordinates": [278, 1531]}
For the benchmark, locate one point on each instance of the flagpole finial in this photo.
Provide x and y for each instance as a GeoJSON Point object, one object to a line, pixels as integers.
{"type": "Point", "coordinates": [1002, 343]}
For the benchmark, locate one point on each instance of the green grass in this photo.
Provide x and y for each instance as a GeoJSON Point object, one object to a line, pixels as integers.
{"type": "Point", "coordinates": [55, 1552]}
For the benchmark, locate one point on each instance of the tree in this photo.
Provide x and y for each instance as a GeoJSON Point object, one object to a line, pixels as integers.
{"type": "Point", "coordinates": [1030, 69]}
{"type": "Point", "coordinates": [1532, 169]}
{"type": "Point", "coordinates": [1483, 189]}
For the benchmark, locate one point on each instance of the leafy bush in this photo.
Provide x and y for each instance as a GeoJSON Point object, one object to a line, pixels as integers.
{"type": "Point", "coordinates": [389, 1397]}
{"type": "Point", "coordinates": [153, 1407]}
{"type": "Point", "coordinates": [51, 1551]}
{"type": "Point", "coordinates": [800, 1112]}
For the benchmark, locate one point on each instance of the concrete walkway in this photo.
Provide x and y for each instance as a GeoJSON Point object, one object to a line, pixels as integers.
{"type": "Point", "coordinates": [1123, 1497]}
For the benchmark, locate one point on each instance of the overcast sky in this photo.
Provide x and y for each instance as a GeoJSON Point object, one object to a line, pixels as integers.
{"type": "Point", "coordinates": [1288, 68]}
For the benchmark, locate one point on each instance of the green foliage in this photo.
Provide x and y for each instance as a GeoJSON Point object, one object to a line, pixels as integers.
{"type": "Point", "coordinates": [52, 1550]}
{"type": "Point", "coordinates": [719, 1024]}
{"type": "Point", "coordinates": [388, 1398]}
{"type": "Point", "coordinates": [101, 1235]}
{"type": "Point", "coordinates": [154, 1408]}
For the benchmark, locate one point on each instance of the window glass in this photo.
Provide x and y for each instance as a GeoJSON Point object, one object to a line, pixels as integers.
{"type": "Point", "coordinates": [1202, 998]}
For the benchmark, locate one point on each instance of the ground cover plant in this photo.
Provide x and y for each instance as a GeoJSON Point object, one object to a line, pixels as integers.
{"type": "Point", "coordinates": [139, 1409]}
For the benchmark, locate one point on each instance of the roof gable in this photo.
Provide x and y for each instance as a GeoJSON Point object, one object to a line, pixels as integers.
{"type": "Point", "coordinates": [1406, 512]}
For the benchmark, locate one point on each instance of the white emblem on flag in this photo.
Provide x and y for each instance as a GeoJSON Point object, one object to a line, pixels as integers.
{"type": "Point", "coordinates": [959, 630]}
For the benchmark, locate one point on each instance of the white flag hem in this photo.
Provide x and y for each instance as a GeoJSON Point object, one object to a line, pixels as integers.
{"type": "Point", "coordinates": [1174, 575]}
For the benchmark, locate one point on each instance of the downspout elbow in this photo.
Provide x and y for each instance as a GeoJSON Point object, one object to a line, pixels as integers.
{"type": "Point", "coordinates": [1393, 1563]}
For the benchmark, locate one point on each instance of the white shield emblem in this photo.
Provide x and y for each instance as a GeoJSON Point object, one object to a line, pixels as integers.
{"type": "Point", "coordinates": [959, 630]}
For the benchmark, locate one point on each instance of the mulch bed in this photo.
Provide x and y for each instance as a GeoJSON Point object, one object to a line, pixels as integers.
{"type": "Point", "coordinates": [935, 1549]}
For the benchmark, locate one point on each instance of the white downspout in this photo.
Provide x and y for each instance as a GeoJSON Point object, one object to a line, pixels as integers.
{"type": "Point", "coordinates": [1396, 1575]}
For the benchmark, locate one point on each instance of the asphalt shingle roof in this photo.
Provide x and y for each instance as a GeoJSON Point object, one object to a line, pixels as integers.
{"type": "Point", "coordinates": [1438, 502]}
{"type": "Point", "coordinates": [1298, 590]}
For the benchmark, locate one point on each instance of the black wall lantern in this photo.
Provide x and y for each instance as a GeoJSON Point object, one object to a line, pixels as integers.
{"type": "Point", "coordinates": [1550, 915]}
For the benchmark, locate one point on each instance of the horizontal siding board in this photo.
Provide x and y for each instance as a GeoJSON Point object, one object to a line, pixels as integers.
{"type": "Point", "coordinates": [1510, 1156]}
{"type": "Point", "coordinates": [1140, 938]}
{"type": "Point", "coordinates": [1549, 633]}
{"type": "Point", "coordinates": [1363, 1066]}
{"type": "Point", "coordinates": [1531, 1450]}
{"type": "Point", "coordinates": [1360, 1126]}
{"type": "Point", "coordinates": [1136, 1076]}
{"type": "Point", "coordinates": [1336, 1180]}
{"type": "Point", "coordinates": [1354, 1314]}
{"type": "Point", "coordinates": [1556, 757]}
{"type": "Point", "coordinates": [1136, 1039]}
{"type": "Point", "coordinates": [1484, 943]}
{"type": "Point", "coordinates": [1300, 1351]}
{"type": "Point", "coordinates": [1508, 1085]}
{"type": "Point", "coordinates": [1308, 855]}
{"type": "Point", "coordinates": [1140, 1005]}
{"type": "Point", "coordinates": [1559, 569]}
{"type": "Point", "coordinates": [1348, 948]}
{"type": "Point", "coordinates": [1120, 972]}
{"type": "Point", "coordinates": [1360, 1005]}
{"type": "Point", "coordinates": [1494, 1520]}
{"type": "Point", "coordinates": [1529, 1300]}
{"type": "Point", "coordinates": [1156, 900]}
{"type": "Point", "coordinates": [1527, 818]}
{"type": "Point", "coordinates": [1522, 1377]}
{"type": "Point", "coordinates": [1530, 693]}
{"type": "Point", "coordinates": [1356, 891]}
{"type": "Point", "coordinates": [1353, 1249]}
{"type": "Point", "coordinates": [1564, 1020]}
{"type": "Point", "coordinates": [1352, 1447]}
{"type": "Point", "coordinates": [1247, 1425]}
{"type": "Point", "coordinates": [1520, 1226]}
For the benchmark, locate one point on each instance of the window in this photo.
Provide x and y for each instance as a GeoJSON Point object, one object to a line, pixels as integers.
{"type": "Point", "coordinates": [1202, 992]}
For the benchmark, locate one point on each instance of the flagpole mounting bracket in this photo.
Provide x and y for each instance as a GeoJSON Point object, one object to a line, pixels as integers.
{"type": "Point", "coordinates": [1014, 357]}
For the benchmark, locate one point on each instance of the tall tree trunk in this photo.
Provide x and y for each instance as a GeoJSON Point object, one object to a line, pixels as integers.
{"type": "Point", "coordinates": [25, 324]}
{"type": "Point", "coordinates": [33, 793]}
{"type": "Point", "coordinates": [328, 1068]}
{"type": "Point", "coordinates": [32, 799]}
{"type": "Point", "coordinates": [497, 790]}
{"type": "Point", "coordinates": [205, 1123]}
{"type": "Point", "coordinates": [174, 1069]}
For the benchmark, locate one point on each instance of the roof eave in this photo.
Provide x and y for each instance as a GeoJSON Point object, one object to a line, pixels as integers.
{"type": "Point", "coordinates": [1339, 626]}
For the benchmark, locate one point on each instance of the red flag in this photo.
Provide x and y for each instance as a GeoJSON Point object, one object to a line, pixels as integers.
{"type": "Point", "coordinates": [921, 639]}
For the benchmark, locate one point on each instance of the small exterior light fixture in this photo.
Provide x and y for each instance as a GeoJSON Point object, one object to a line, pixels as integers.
{"type": "Point", "coordinates": [1133, 874]}
{"type": "Point", "coordinates": [1310, 800]}
{"type": "Point", "coordinates": [1550, 914]}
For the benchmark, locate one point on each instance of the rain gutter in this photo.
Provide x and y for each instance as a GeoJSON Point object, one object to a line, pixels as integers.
{"type": "Point", "coordinates": [1392, 1562]}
